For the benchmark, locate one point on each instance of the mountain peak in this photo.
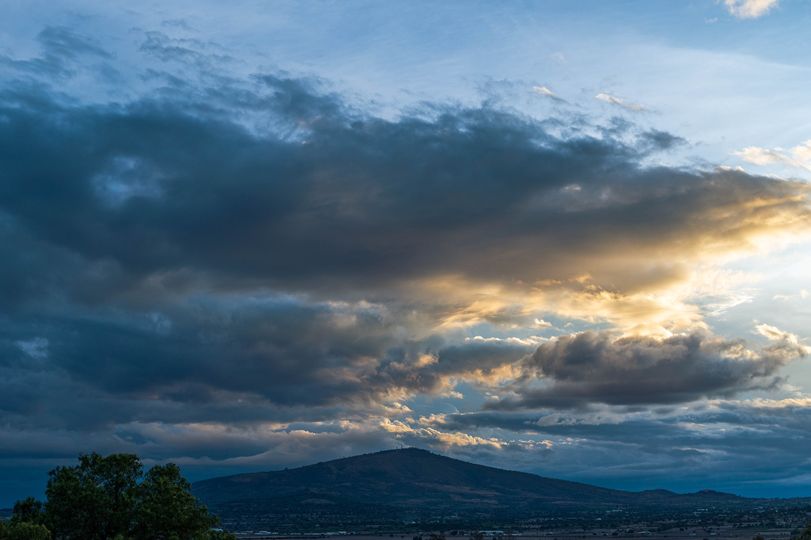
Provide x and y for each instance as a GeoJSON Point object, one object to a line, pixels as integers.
{"type": "Point", "coordinates": [406, 482]}
{"type": "Point", "coordinates": [404, 451]}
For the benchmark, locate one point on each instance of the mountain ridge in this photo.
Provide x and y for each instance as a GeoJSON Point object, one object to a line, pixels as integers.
{"type": "Point", "coordinates": [416, 450]}
{"type": "Point", "coordinates": [415, 484]}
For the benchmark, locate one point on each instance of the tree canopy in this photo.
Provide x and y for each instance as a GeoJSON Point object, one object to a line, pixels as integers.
{"type": "Point", "coordinates": [110, 497]}
{"type": "Point", "coordinates": [166, 508]}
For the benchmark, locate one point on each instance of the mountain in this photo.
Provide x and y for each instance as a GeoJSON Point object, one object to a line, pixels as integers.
{"type": "Point", "coordinates": [397, 486]}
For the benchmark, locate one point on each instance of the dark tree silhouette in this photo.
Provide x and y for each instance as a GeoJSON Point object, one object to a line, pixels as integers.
{"type": "Point", "coordinates": [105, 498]}
{"type": "Point", "coordinates": [93, 500]}
{"type": "Point", "coordinates": [166, 509]}
{"type": "Point", "coordinates": [28, 510]}
{"type": "Point", "coordinates": [23, 531]}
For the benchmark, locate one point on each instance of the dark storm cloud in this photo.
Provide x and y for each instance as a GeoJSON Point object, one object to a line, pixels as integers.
{"type": "Point", "coordinates": [597, 367]}
{"type": "Point", "coordinates": [250, 252]}
{"type": "Point", "coordinates": [116, 213]}
{"type": "Point", "coordinates": [228, 360]}
{"type": "Point", "coordinates": [343, 201]}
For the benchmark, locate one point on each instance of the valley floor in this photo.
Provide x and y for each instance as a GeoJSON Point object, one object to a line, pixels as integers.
{"type": "Point", "coordinates": [686, 533]}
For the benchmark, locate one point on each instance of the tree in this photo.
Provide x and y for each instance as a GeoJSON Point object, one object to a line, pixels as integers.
{"type": "Point", "coordinates": [109, 497]}
{"type": "Point", "coordinates": [23, 531]}
{"type": "Point", "coordinates": [166, 509]}
{"type": "Point", "coordinates": [94, 500]}
{"type": "Point", "coordinates": [28, 510]}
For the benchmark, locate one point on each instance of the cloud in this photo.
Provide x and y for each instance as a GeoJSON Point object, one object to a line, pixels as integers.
{"type": "Point", "coordinates": [446, 440]}
{"type": "Point", "coordinates": [231, 269]}
{"type": "Point", "coordinates": [801, 295]}
{"type": "Point", "coordinates": [545, 91]}
{"type": "Point", "coordinates": [749, 9]}
{"type": "Point", "coordinates": [718, 443]}
{"type": "Point", "coordinates": [172, 190]}
{"type": "Point", "coordinates": [243, 359]}
{"type": "Point", "coordinates": [193, 52]}
{"type": "Point", "coordinates": [596, 367]}
{"type": "Point", "coordinates": [181, 255]}
{"type": "Point", "coordinates": [62, 51]}
{"type": "Point", "coordinates": [798, 156]}
{"type": "Point", "coordinates": [619, 102]}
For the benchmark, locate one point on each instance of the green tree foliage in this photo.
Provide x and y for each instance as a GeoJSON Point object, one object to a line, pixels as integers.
{"type": "Point", "coordinates": [166, 509]}
{"type": "Point", "coordinates": [93, 500]}
{"type": "Point", "coordinates": [28, 510]}
{"type": "Point", "coordinates": [23, 531]}
{"type": "Point", "coordinates": [110, 498]}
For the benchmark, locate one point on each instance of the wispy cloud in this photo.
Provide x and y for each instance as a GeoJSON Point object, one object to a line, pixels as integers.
{"type": "Point", "coordinates": [798, 156]}
{"type": "Point", "coordinates": [749, 9]}
{"type": "Point", "coordinates": [543, 91]}
{"type": "Point", "coordinates": [619, 102]}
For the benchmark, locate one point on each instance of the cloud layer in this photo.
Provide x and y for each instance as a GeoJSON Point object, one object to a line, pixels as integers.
{"type": "Point", "coordinates": [254, 270]}
{"type": "Point", "coordinates": [599, 368]}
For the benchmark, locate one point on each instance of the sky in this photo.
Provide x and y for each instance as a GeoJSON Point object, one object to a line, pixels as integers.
{"type": "Point", "coordinates": [563, 237]}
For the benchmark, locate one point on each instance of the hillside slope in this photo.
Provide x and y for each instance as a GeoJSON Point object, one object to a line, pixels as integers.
{"type": "Point", "coordinates": [396, 485]}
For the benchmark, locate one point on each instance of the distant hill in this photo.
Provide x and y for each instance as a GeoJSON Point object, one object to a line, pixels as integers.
{"type": "Point", "coordinates": [412, 484]}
